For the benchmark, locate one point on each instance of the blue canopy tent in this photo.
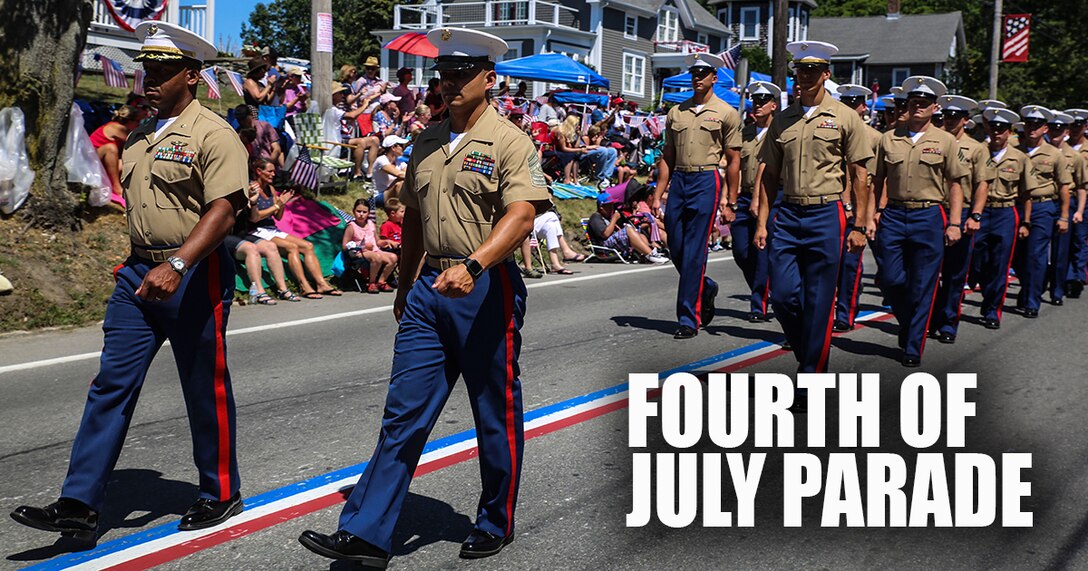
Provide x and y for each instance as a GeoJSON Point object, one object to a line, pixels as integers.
{"type": "Point", "coordinates": [732, 99]}
{"type": "Point", "coordinates": [725, 78]}
{"type": "Point", "coordinates": [553, 68]}
{"type": "Point", "coordinates": [599, 99]}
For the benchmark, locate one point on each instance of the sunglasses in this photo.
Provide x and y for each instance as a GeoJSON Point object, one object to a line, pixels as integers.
{"type": "Point", "coordinates": [900, 104]}
{"type": "Point", "coordinates": [1079, 123]}
{"type": "Point", "coordinates": [701, 72]}
{"type": "Point", "coordinates": [956, 114]}
{"type": "Point", "coordinates": [1057, 125]}
{"type": "Point", "coordinates": [852, 101]}
{"type": "Point", "coordinates": [761, 100]}
{"type": "Point", "coordinates": [1034, 123]}
{"type": "Point", "coordinates": [1000, 127]}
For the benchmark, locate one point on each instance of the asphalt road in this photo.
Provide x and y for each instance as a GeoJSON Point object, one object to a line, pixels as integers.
{"type": "Point", "coordinates": [309, 380]}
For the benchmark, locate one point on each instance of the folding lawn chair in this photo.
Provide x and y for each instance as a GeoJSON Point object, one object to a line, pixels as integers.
{"type": "Point", "coordinates": [602, 253]}
{"type": "Point", "coordinates": [311, 134]}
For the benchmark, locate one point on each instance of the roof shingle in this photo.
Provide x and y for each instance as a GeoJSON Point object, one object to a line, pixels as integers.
{"type": "Point", "coordinates": [915, 38]}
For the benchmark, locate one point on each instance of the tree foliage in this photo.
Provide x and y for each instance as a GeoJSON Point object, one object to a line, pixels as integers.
{"type": "Point", "coordinates": [285, 26]}
{"type": "Point", "coordinates": [1056, 73]}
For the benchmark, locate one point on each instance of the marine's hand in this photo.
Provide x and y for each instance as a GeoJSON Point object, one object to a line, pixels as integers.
{"type": "Point", "coordinates": [454, 282]}
{"type": "Point", "coordinates": [159, 284]}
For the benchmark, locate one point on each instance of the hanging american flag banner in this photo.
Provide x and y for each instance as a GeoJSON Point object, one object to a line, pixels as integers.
{"type": "Point", "coordinates": [138, 82]}
{"type": "Point", "coordinates": [236, 81]}
{"type": "Point", "coordinates": [129, 13]}
{"type": "Point", "coordinates": [210, 78]}
{"type": "Point", "coordinates": [112, 71]}
{"type": "Point", "coordinates": [1017, 31]}
{"type": "Point", "coordinates": [730, 56]}
{"type": "Point", "coordinates": [304, 171]}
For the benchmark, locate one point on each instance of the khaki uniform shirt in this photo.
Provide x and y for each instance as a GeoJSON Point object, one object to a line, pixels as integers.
{"type": "Point", "coordinates": [1014, 177]}
{"type": "Point", "coordinates": [169, 180]}
{"type": "Point", "coordinates": [1050, 169]}
{"type": "Point", "coordinates": [811, 153]}
{"type": "Point", "coordinates": [749, 157]}
{"type": "Point", "coordinates": [975, 158]}
{"type": "Point", "coordinates": [461, 194]}
{"type": "Point", "coordinates": [917, 171]}
{"type": "Point", "coordinates": [700, 137]}
{"type": "Point", "coordinates": [1078, 167]}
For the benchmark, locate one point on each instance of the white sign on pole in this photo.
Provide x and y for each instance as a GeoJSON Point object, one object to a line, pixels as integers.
{"type": "Point", "coordinates": [324, 32]}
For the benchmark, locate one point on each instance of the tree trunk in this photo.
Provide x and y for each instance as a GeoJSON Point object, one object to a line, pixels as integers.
{"type": "Point", "coordinates": [40, 46]}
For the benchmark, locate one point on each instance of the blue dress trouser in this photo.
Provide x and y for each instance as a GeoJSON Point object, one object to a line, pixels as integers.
{"type": "Point", "coordinates": [751, 260]}
{"type": "Point", "coordinates": [477, 337]}
{"type": "Point", "coordinates": [804, 259]}
{"type": "Point", "coordinates": [849, 291]}
{"type": "Point", "coordinates": [1078, 248]}
{"type": "Point", "coordinates": [950, 292]}
{"type": "Point", "coordinates": [995, 243]}
{"type": "Point", "coordinates": [194, 319]}
{"type": "Point", "coordinates": [1060, 246]}
{"type": "Point", "coordinates": [689, 215]}
{"type": "Point", "coordinates": [912, 249]}
{"type": "Point", "coordinates": [1036, 254]}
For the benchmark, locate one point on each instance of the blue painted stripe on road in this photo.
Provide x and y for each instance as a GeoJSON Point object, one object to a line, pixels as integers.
{"type": "Point", "coordinates": [296, 488]}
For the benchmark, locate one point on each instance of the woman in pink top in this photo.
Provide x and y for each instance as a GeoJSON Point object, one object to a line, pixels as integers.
{"type": "Point", "coordinates": [361, 242]}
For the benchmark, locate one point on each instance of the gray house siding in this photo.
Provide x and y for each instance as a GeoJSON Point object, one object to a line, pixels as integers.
{"type": "Point", "coordinates": [614, 44]}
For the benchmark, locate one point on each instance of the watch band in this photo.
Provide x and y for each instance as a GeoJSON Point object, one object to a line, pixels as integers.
{"type": "Point", "coordinates": [861, 229]}
{"type": "Point", "coordinates": [475, 269]}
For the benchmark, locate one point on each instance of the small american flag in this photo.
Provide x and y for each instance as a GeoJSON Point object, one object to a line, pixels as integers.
{"type": "Point", "coordinates": [209, 77]}
{"type": "Point", "coordinates": [235, 81]}
{"type": "Point", "coordinates": [730, 56]}
{"type": "Point", "coordinates": [304, 171]}
{"type": "Point", "coordinates": [1017, 32]}
{"type": "Point", "coordinates": [113, 72]}
{"type": "Point", "coordinates": [138, 82]}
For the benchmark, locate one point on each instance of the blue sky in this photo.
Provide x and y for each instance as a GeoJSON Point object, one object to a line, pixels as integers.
{"type": "Point", "coordinates": [229, 16]}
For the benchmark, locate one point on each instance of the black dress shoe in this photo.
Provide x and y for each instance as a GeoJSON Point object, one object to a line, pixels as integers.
{"type": "Point", "coordinates": [482, 544]}
{"type": "Point", "coordinates": [946, 338]}
{"type": "Point", "coordinates": [210, 513]}
{"type": "Point", "coordinates": [684, 332]}
{"type": "Point", "coordinates": [343, 545]}
{"type": "Point", "coordinates": [786, 346]}
{"type": "Point", "coordinates": [1030, 313]}
{"type": "Point", "coordinates": [841, 326]}
{"type": "Point", "coordinates": [991, 323]}
{"type": "Point", "coordinates": [911, 362]}
{"type": "Point", "coordinates": [1057, 301]}
{"type": "Point", "coordinates": [65, 515]}
{"type": "Point", "coordinates": [706, 310]}
{"type": "Point", "coordinates": [1074, 289]}
{"type": "Point", "coordinates": [756, 317]}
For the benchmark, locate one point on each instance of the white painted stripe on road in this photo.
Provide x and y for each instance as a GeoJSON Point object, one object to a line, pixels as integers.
{"type": "Point", "coordinates": [331, 317]}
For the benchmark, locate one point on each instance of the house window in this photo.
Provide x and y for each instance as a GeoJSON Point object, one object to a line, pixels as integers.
{"type": "Point", "coordinates": [804, 25]}
{"type": "Point", "coordinates": [512, 53]}
{"type": "Point", "coordinates": [634, 74]}
{"type": "Point", "coordinates": [749, 23]}
{"type": "Point", "coordinates": [725, 16]}
{"type": "Point", "coordinates": [702, 39]}
{"type": "Point", "coordinates": [668, 25]}
{"type": "Point", "coordinates": [630, 27]}
{"type": "Point", "coordinates": [421, 66]}
{"type": "Point", "coordinates": [899, 75]}
{"type": "Point", "coordinates": [791, 30]}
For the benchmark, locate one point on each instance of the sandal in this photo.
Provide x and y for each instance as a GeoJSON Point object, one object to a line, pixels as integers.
{"type": "Point", "coordinates": [312, 295]}
{"type": "Point", "coordinates": [562, 271]}
{"type": "Point", "coordinates": [373, 288]}
{"type": "Point", "coordinates": [385, 287]}
{"type": "Point", "coordinates": [533, 273]}
{"type": "Point", "coordinates": [263, 299]}
{"type": "Point", "coordinates": [288, 295]}
{"type": "Point", "coordinates": [578, 258]}
{"type": "Point", "coordinates": [333, 292]}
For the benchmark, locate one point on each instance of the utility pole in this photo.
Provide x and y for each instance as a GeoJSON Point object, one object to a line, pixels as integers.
{"type": "Point", "coordinates": [781, 22]}
{"type": "Point", "coordinates": [995, 49]}
{"type": "Point", "coordinates": [740, 77]}
{"type": "Point", "coordinates": [321, 53]}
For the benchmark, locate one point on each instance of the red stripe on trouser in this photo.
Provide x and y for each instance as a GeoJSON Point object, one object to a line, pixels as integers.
{"type": "Point", "coordinates": [936, 286]}
{"type": "Point", "coordinates": [709, 231]}
{"type": "Point", "coordinates": [222, 422]}
{"type": "Point", "coordinates": [766, 293]}
{"type": "Point", "coordinates": [963, 292]}
{"type": "Point", "coordinates": [854, 295]}
{"type": "Point", "coordinates": [511, 434]}
{"type": "Point", "coordinates": [1004, 277]}
{"type": "Point", "coordinates": [116, 269]}
{"type": "Point", "coordinates": [821, 365]}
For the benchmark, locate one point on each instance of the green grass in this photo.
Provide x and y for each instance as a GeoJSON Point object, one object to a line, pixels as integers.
{"type": "Point", "coordinates": [92, 87]}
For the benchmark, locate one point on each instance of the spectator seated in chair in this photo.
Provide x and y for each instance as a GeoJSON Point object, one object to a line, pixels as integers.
{"type": "Point", "coordinates": [365, 146]}
{"type": "Point", "coordinates": [608, 227]}
{"type": "Point", "coordinates": [388, 175]}
{"type": "Point", "coordinates": [361, 244]}
{"type": "Point", "coordinates": [265, 140]}
{"type": "Point", "coordinates": [265, 209]}
{"type": "Point", "coordinates": [109, 140]}
{"type": "Point", "coordinates": [549, 230]}
{"type": "Point", "coordinates": [391, 228]}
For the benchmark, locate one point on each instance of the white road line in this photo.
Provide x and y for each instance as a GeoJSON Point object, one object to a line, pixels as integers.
{"type": "Point", "coordinates": [335, 316]}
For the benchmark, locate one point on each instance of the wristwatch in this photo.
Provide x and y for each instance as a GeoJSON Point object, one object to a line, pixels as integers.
{"type": "Point", "coordinates": [474, 268]}
{"type": "Point", "coordinates": [731, 206]}
{"type": "Point", "coordinates": [178, 265]}
{"type": "Point", "coordinates": [861, 229]}
{"type": "Point", "coordinates": [849, 207]}
{"type": "Point", "coordinates": [976, 216]}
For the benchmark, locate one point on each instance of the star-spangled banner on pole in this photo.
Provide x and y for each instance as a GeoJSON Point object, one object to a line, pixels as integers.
{"type": "Point", "coordinates": [1017, 34]}
{"type": "Point", "coordinates": [112, 72]}
{"type": "Point", "coordinates": [235, 81]}
{"type": "Point", "coordinates": [730, 56]}
{"type": "Point", "coordinates": [304, 171]}
{"type": "Point", "coordinates": [138, 82]}
{"type": "Point", "coordinates": [129, 13]}
{"type": "Point", "coordinates": [210, 78]}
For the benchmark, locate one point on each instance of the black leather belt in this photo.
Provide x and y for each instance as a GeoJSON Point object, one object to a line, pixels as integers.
{"type": "Point", "coordinates": [699, 168]}
{"type": "Point", "coordinates": [811, 200]}
{"type": "Point", "coordinates": [1043, 198]}
{"type": "Point", "coordinates": [155, 254]}
{"type": "Point", "coordinates": [913, 204]}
